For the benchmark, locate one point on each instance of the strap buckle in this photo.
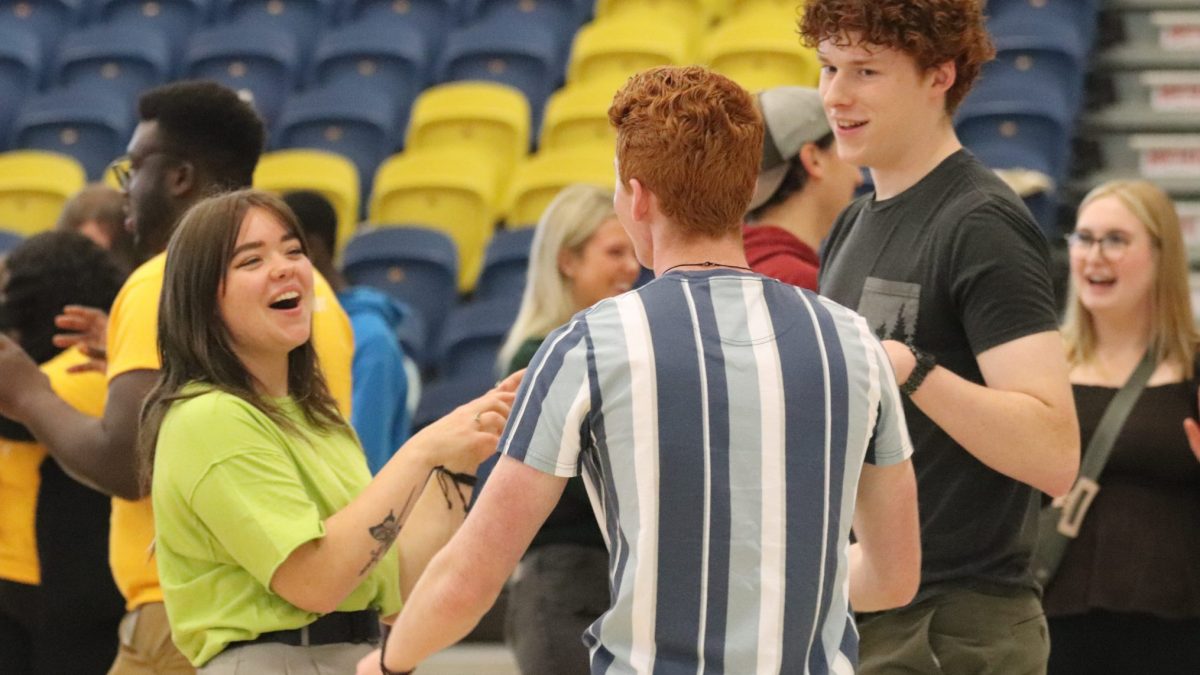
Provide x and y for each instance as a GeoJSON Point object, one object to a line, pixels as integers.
{"type": "Point", "coordinates": [1075, 505]}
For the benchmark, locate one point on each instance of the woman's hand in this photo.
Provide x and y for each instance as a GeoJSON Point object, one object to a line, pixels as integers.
{"type": "Point", "coordinates": [468, 434]}
{"type": "Point", "coordinates": [1191, 429]}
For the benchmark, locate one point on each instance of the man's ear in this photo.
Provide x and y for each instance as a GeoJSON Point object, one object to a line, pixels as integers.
{"type": "Point", "coordinates": [944, 76]}
{"type": "Point", "coordinates": [640, 200]}
{"type": "Point", "coordinates": [810, 159]}
{"type": "Point", "coordinates": [181, 179]}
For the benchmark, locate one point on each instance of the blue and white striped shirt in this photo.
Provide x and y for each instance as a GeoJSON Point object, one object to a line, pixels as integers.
{"type": "Point", "coordinates": [720, 420]}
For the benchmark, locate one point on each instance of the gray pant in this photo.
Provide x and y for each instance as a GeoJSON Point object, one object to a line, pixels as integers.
{"type": "Point", "coordinates": [335, 659]}
{"type": "Point", "coordinates": [556, 593]}
{"type": "Point", "coordinates": [961, 632]}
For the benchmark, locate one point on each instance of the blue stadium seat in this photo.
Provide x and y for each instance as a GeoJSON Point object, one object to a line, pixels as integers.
{"type": "Point", "coordinates": [471, 338]}
{"type": "Point", "coordinates": [175, 19]}
{"type": "Point", "coordinates": [445, 394]}
{"type": "Point", "coordinates": [505, 265]}
{"type": "Point", "coordinates": [261, 60]}
{"type": "Point", "coordinates": [301, 18]}
{"type": "Point", "coordinates": [1016, 139]}
{"type": "Point", "coordinates": [9, 241]}
{"type": "Point", "coordinates": [20, 72]}
{"type": "Point", "coordinates": [391, 58]}
{"type": "Point", "coordinates": [118, 58]}
{"type": "Point", "coordinates": [1073, 22]}
{"type": "Point", "coordinates": [48, 20]}
{"type": "Point", "coordinates": [520, 54]}
{"type": "Point", "coordinates": [91, 126]}
{"type": "Point", "coordinates": [414, 265]}
{"type": "Point", "coordinates": [357, 122]}
{"type": "Point", "coordinates": [562, 17]}
{"type": "Point", "coordinates": [432, 17]}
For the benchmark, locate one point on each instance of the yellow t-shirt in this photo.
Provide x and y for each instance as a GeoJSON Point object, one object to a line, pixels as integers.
{"type": "Point", "coordinates": [20, 462]}
{"type": "Point", "coordinates": [133, 345]}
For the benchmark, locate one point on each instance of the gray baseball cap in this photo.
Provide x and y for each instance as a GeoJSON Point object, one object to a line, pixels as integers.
{"type": "Point", "coordinates": [792, 116]}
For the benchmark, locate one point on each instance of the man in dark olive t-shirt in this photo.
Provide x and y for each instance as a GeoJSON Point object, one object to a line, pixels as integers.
{"type": "Point", "coordinates": [951, 272]}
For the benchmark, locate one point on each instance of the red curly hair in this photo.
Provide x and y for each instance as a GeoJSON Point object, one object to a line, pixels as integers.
{"type": "Point", "coordinates": [932, 32]}
{"type": "Point", "coordinates": [693, 138]}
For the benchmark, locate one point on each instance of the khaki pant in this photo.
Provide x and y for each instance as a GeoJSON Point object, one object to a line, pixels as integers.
{"type": "Point", "coordinates": [961, 632]}
{"type": "Point", "coordinates": [146, 647]}
{"type": "Point", "coordinates": [334, 659]}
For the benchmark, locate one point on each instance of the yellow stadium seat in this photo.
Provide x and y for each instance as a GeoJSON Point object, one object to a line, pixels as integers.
{"type": "Point", "coordinates": [538, 180]}
{"type": "Point", "coordinates": [492, 118]}
{"type": "Point", "coordinates": [330, 174]}
{"type": "Point", "coordinates": [609, 50]}
{"type": "Point", "coordinates": [785, 9]}
{"type": "Point", "coordinates": [447, 189]}
{"type": "Point", "coordinates": [578, 115]}
{"type": "Point", "coordinates": [694, 15]}
{"type": "Point", "coordinates": [33, 188]}
{"type": "Point", "coordinates": [759, 51]}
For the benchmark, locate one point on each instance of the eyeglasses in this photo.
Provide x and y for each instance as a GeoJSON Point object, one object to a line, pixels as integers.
{"type": "Point", "coordinates": [1112, 245]}
{"type": "Point", "coordinates": [121, 168]}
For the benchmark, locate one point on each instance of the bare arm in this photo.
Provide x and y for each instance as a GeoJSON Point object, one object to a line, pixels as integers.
{"type": "Point", "coordinates": [464, 579]}
{"type": "Point", "coordinates": [1022, 423]}
{"type": "Point", "coordinates": [318, 575]}
{"type": "Point", "coordinates": [101, 453]}
{"type": "Point", "coordinates": [885, 562]}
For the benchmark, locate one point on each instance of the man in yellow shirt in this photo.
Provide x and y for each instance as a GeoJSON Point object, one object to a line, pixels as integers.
{"type": "Point", "coordinates": [194, 139]}
{"type": "Point", "coordinates": [54, 580]}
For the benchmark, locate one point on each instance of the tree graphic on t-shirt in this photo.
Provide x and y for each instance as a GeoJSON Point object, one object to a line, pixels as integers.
{"type": "Point", "coordinates": [899, 331]}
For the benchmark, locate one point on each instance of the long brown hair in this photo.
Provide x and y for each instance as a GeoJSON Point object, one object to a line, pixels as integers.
{"type": "Point", "coordinates": [193, 341]}
{"type": "Point", "coordinates": [1173, 335]}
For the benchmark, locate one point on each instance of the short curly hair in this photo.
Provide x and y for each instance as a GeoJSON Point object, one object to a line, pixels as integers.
{"type": "Point", "coordinates": [931, 31]}
{"type": "Point", "coordinates": [693, 138]}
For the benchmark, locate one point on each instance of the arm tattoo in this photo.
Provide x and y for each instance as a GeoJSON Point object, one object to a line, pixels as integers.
{"type": "Point", "coordinates": [386, 532]}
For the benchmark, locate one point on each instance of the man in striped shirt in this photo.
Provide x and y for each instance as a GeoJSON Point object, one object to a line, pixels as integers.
{"type": "Point", "coordinates": [727, 426]}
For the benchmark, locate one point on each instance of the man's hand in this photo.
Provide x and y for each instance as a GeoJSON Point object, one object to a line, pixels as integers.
{"type": "Point", "coordinates": [902, 359]}
{"type": "Point", "coordinates": [88, 328]}
{"type": "Point", "coordinates": [19, 375]}
{"type": "Point", "coordinates": [369, 665]}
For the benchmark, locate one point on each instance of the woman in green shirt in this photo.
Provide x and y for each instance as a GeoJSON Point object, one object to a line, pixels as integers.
{"type": "Point", "coordinates": [274, 545]}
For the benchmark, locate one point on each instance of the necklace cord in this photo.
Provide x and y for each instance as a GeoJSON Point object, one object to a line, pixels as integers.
{"type": "Point", "coordinates": [706, 263]}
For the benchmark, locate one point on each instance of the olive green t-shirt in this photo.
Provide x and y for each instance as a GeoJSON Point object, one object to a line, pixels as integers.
{"type": "Point", "coordinates": [234, 495]}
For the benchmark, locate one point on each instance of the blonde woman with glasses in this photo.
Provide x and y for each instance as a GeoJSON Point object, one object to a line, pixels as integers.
{"type": "Point", "coordinates": [1126, 597]}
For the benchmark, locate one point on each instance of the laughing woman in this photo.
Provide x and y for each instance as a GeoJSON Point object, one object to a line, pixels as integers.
{"type": "Point", "coordinates": [273, 542]}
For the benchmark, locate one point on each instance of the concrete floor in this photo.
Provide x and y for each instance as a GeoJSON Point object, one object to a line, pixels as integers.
{"type": "Point", "coordinates": [475, 658]}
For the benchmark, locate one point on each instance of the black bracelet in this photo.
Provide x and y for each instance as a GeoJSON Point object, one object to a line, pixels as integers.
{"type": "Point", "coordinates": [925, 363]}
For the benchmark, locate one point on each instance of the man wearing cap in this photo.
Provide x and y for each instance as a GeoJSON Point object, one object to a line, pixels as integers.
{"type": "Point", "coordinates": [802, 186]}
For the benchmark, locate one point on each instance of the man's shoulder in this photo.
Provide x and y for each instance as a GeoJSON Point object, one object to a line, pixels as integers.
{"type": "Point", "coordinates": [143, 283]}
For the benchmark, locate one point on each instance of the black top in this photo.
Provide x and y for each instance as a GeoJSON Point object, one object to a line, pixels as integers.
{"type": "Point", "coordinates": [956, 266]}
{"type": "Point", "coordinates": [1139, 547]}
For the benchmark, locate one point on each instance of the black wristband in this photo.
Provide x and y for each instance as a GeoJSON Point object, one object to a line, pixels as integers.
{"type": "Point", "coordinates": [925, 363]}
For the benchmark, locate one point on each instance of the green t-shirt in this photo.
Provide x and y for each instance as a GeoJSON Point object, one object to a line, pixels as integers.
{"type": "Point", "coordinates": [233, 496]}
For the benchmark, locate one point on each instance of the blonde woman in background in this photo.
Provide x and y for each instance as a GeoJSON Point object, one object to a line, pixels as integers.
{"type": "Point", "coordinates": [1127, 596]}
{"type": "Point", "coordinates": [580, 256]}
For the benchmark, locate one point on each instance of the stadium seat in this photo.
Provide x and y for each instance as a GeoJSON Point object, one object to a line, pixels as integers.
{"type": "Point", "coordinates": [356, 122]}
{"type": "Point", "coordinates": [332, 175]}
{"type": "Point", "coordinates": [758, 51]}
{"type": "Point", "coordinates": [538, 180]}
{"type": "Point", "coordinates": [609, 50]}
{"type": "Point", "coordinates": [177, 20]}
{"type": "Point", "coordinates": [694, 16]}
{"type": "Point", "coordinates": [47, 20]}
{"type": "Point", "coordinates": [119, 58]}
{"type": "Point", "coordinates": [1071, 21]}
{"type": "Point", "coordinates": [8, 241]}
{"type": "Point", "coordinates": [20, 72]}
{"type": "Point", "coordinates": [445, 394]}
{"type": "Point", "coordinates": [301, 18]}
{"type": "Point", "coordinates": [33, 188]}
{"type": "Point", "coordinates": [505, 265]}
{"type": "Point", "coordinates": [90, 125]}
{"type": "Point", "coordinates": [577, 115]}
{"type": "Point", "coordinates": [1018, 75]}
{"type": "Point", "coordinates": [261, 62]}
{"type": "Point", "coordinates": [519, 54]}
{"type": "Point", "coordinates": [415, 265]}
{"type": "Point", "coordinates": [433, 18]}
{"type": "Point", "coordinates": [446, 189]}
{"type": "Point", "coordinates": [471, 337]}
{"type": "Point", "coordinates": [1027, 139]}
{"type": "Point", "coordinates": [391, 58]}
{"type": "Point", "coordinates": [491, 119]}
{"type": "Point", "coordinates": [561, 17]}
